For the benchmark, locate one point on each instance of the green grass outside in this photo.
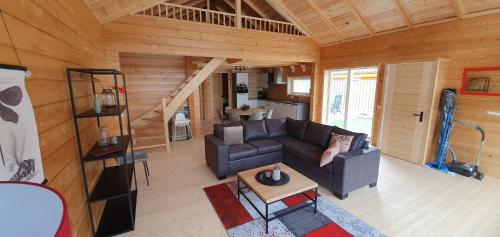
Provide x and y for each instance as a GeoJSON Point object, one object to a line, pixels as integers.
{"type": "Point", "coordinates": [363, 125]}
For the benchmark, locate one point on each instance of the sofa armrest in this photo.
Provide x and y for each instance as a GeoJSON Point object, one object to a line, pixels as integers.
{"type": "Point", "coordinates": [217, 155]}
{"type": "Point", "coordinates": [355, 169]}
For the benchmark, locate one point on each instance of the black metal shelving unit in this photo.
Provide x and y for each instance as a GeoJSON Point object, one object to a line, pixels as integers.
{"type": "Point", "coordinates": [114, 185]}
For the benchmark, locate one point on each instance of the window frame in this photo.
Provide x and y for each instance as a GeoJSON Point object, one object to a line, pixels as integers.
{"type": "Point", "coordinates": [290, 88]}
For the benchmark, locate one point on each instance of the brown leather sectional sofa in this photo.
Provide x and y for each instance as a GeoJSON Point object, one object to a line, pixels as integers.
{"type": "Point", "coordinates": [298, 144]}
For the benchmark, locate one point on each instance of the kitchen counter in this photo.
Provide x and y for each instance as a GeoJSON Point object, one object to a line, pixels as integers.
{"type": "Point", "coordinates": [283, 109]}
{"type": "Point", "coordinates": [281, 101]}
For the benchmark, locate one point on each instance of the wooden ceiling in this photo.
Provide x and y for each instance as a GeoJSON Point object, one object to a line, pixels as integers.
{"type": "Point", "coordinates": [336, 21]}
{"type": "Point", "coordinates": [326, 21]}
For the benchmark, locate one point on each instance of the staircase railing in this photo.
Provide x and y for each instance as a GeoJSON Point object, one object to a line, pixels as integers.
{"type": "Point", "coordinates": [200, 15]}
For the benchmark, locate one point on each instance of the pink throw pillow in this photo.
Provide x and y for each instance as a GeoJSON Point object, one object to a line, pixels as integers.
{"type": "Point", "coordinates": [344, 141]}
{"type": "Point", "coordinates": [329, 153]}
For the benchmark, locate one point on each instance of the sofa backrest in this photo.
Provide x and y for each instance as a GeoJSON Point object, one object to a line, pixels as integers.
{"type": "Point", "coordinates": [318, 134]}
{"type": "Point", "coordinates": [219, 128]}
{"type": "Point", "coordinates": [254, 130]}
{"type": "Point", "coordinates": [296, 128]}
{"type": "Point", "coordinates": [358, 142]}
{"type": "Point", "coordinates": [276, 127]}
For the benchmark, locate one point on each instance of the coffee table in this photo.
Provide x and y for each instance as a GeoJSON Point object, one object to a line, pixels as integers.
{"type": "Point", "coordinates": [298, 184]}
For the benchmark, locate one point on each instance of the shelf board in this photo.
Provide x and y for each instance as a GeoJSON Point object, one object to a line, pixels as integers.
{"type": "Point", "coordinates": [96, 71]}
{"type": "Point", "coordinates": [121, 150]}
{"type": "Point", "coordinates": [104, 113]}
{"type": "Point", "coordinates": [115, 218]}
{"type": "Point", "coordinates": [112, 183]}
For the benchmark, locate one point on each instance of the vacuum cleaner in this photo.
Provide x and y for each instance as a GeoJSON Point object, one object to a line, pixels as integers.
{"type": "Point", "coordinates": [444, 129]}
{"type": "Point", "coordinates": [462, 168]}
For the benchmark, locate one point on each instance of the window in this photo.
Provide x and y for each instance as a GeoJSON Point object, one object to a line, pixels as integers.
{"type": "Point", "coordinates": [299, 85]}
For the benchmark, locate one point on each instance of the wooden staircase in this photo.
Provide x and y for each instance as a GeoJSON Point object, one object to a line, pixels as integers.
{"type": "Point", "coordinates": [159, 115]}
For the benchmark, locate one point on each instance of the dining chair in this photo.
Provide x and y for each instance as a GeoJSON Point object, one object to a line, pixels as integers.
{"type": "Point", "coordinates": [269, 113]}
{"type": "Point", "coordinates": [222, 117]}
{"type": "Point", "coordinates": [233, 116]}
{"type": "Point", "coordinates": [139, 156]}
{"type": "Point", "coordinates": [256, 116]}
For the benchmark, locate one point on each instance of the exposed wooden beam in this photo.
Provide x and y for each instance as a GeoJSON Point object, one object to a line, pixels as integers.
{"type": "Point", "coordinates": [231, 4]}
{"type": "Point", "coordinates": [195, 3]}
{"type": "Point", "coordinates": [281, 9]}
{"type": "Point", "coordinates": [404, 13]}
{"type": "Point", "coordinates": [322, 15]}
{"type": "Point", "coordinates": [118, 8]}
{"type": "Point", "coordinates": [257, 9]}
{"type": "Point", "coordinates": [361, 17]}
{"type": "Point", "coordinates": [233, 60]}
{"type": "Point", "coordinates": [459, 9]}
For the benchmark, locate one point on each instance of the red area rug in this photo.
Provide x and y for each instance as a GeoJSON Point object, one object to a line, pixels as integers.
{"type": "Point", "coordinates": [241, 219]}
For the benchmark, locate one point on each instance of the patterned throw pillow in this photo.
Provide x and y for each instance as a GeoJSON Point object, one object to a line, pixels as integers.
{"type": "Point", "coordinates": [338, 144]}
{"type": "Point", "coordinates": [329, 153]}
{"type": "Point", "coordinates": [344, 141]}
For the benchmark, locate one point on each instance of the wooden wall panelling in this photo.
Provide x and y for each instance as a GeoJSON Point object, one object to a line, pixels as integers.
{"type": "Point", "coordinates": [48, 37]}
{"type": "Point", "coordinates": [466, 43]}
{"type": "Point", "coordinates": [149, 79]}
{"type": "Point", "coordinates": [217, 94]}
{"type": "Point", "coordinates": [140, 34]}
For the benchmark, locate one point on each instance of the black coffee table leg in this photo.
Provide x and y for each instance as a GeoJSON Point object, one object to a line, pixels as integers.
{"type": "Point", "coordinates": [267, 219]}
{"type": "Point", "coordinates": [238, 187]}
{"type": "Point", "coordinates": [316, 199]}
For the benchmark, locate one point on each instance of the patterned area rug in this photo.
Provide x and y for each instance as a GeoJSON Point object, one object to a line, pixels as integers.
{"type": "Point", "coordinates": [241, 220]}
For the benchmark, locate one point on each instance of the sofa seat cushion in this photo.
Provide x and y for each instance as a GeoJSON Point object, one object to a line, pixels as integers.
{"type": "Point", "coordinates": [302, 150]}
{"type": "Point", "coordinates": [285, 139]}
{"type": "Point", "coordinates": [312, 157]}
{"type": "Point", "coordinates": [241, 151]}
{"type": "Point", "coordinates": [266, 145]}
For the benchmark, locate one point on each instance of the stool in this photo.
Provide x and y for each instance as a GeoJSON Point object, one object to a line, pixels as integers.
{"type": "Point", "coordinates": [181, 121]}
{"type": "Point", "coordinates": [139, 156]}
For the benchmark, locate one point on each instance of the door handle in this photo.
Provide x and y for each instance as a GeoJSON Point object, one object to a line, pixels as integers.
{"type": "Point", "coordinates": [421, 116]}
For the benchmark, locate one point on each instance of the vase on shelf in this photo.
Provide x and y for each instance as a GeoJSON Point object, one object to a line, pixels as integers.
{"type": "Point", "coordinates": [108, 98]}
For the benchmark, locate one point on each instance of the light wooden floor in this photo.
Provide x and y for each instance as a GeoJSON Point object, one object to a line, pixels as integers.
{"type": "Point", "coordinates": [408, 201]}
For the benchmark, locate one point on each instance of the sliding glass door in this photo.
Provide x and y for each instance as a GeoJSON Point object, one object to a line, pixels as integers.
{"type": "Point", "coordinates": [351, 98]}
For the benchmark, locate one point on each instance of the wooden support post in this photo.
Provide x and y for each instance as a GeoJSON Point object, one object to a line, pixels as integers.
{"type": "Point", "coordinates": [165, 124]}
{"type": "Point", "coordinates": [238, 13]}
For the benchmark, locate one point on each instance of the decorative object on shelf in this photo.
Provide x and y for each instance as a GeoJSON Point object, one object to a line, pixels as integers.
{"type": "Point", "coordinates": [20, 158]}
{"type": "Point", "coordinates": [262, 178]}
{"type": "Point", "coordinates": [108, 98]}
{"type": "Point", "coordinates": [103, 137]}
{"type": "Point", "coordinates": [116, 185]}
{"type": "Point", "coordinates": [245, 107]}
{"type": "Point", "coordinates": [268, 173]}
{"type": "Point", "coordinates": [276, 173]}
{"type": "Point", "coordinates": [98, 104]}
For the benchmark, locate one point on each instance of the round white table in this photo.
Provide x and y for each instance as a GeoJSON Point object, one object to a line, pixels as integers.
{"type": "Point", "coordinates": [28, 209]}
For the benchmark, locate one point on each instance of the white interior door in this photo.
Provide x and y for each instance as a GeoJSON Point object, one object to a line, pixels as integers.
{"type": "Point", "coordinates": [407, 100]}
